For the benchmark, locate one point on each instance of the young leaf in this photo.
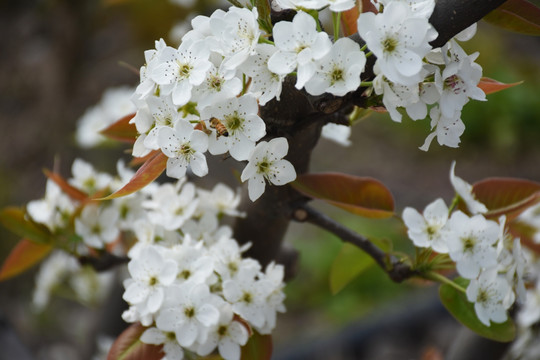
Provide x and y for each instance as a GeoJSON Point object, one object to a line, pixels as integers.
{"type": "Point", "coordinates": [516, 15]}
{"type": "Point", "coordinates": [128, 346]}
{"type": "Point", "coordinates": [506, 196]}
{"type": "Point", "coordinates": [463, 311]}
{"type": "Point", "coordinates": [151, 169]}
{"type": "Point", "coordinates": [490, 86]}
{"type": "Point", "coordinates": [258, 347]}
{"type": "Point", "coordinates": [137, 161]}
{"type": "Point", "coordinates": [122, 130]}
{"type": "Point", "coordinates": [349, 264]}
{"type": "Point", "coordinates": [359, 195]}
{"type": "Point", "coordinates": [14, 220]}
{"type": "Point", "coordinates": [68, 189]}
{"type": "Point", "coordinates": [23, 256]}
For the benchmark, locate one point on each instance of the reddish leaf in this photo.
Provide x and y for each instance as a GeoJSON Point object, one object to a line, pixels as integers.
{"type": "Point", "coordinates": [122, 130]}
{"type": "Point", "coordinates": [147, 173]}
{"type": "Point", "coordinates": [490, 86]}
{"type": "Point", "coordinates": [516, 15]}
{"type": "Point", "coordinates": [136, 161]}
{"type": "Point", "coordinates": [14, 219]}
{"type": "Point", "coordinates": [128, 346]}
{"type": "Point", "coordinates": [359, 195]}
{"type": "Point", "coordinates": [23, 256]}
{"type": "Point", "coordinates": [349, 18]}
{"type": "Point", "coordinates": [506, 196]}
{"type": "Point", "coordinates": [525, 233]}
{"type": "Point", "coordinates": [258, 347]}
{"type": "Point", "coordinates": [67, 188]}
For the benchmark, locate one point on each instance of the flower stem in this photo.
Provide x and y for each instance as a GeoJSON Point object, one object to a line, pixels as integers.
{"type": "Point", "coordinates": [336, 20]}
{"type": "Point", "coordinates": [431, 275]}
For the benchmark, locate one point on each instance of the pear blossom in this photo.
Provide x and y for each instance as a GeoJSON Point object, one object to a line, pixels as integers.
{"type": "Point", "coordinates": [171, 347]}
{"type": "Point", "coordinates": [238, 34]}
{"type": "Point", "coordinates": [221, 200]}
{"type": "Point", "coordinates": [150, 274]}
{"type": "Point", "coordinates": [194, 262]}
{"type": "Point", "coordinates": [244, 126]}
{"type": "Point", "coordinates": [464, 190]}
{"type": "Point", "coordinates": [447, 130]}
{"type": "Point", "coordinates": [247, 295]}
{"type": "Point", "coordinates": [459, 81]}
{"type": "Point", "coordinates": [171, 205]}
{"type": "Point", "coordinates": [220, 84]}
{"type": "Point", "coordinates": [338, 72]}
{"type": "Point", "coordinates": [473, 243]}
{"type": "Point", "coordinates": [147, 85]}
{"type": "Point", "coordinates": [266, 163]}
{"type": "Point", "coordinates": [184, 146]}
{"type": "Point", "coordinates": [337, 133]}
{"type": "Point", "coordinates": [428, 229]}
{"type": "Point", "coordinates": [54, 210]}
{"type": "Point", "coordinates": [190, 311]}
{"type": "Point", "coordinates": [228, 336]}
{"type": "Point", "coordinates": [419, 8]}
{"type": "Point", "coordinates": [492, 297]}
{"type": "Point", "coordinates": [86, 178]}
{"type": "Point", "coordinates": [97, 226]}
{"type": "Point", "coordinates": [300, 4]}
{"type": "Point", "coordinates": [299, 46]}
{"type": "Point", "coordinates": [181, 69]}
{"type": "Point", "coordinates": [265, 84]}
{"type": "Point", "coordinates": [399, 40]}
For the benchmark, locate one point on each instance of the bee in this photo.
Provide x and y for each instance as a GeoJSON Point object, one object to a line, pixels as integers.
{"type": "Point", "coordinates": [221, 130]}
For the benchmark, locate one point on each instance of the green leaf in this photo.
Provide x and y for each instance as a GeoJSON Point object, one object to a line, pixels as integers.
{"type": "Point", "coordinates": [490, 86]}
{"type": "Point", "coordinates": [506, 196]}
{"type": "Point", "coordinates": [258, 347]}
{"type": "Point", "coordinates": [128, 346]}
{"type": "Point", "coordinates": [148, 172]}
{"type": "Point", "coordinates": [348, 264]}
{"type": "Point", "coordinates": [14, 219]}
{"type": "Point", "coordinates": [23, 256]}
{"type": "Point", "coordinates": [122, 130]}
{"type": "Point", "coordinates": [516, 15]}
{"type": "Point", "coordinates": [457, 304]}
{"type": "Point", "coordinates": [359, 195]}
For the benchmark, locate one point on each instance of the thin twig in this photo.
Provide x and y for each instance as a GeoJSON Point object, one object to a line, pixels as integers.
{"type": "Point", "coordinates": [396, 269]}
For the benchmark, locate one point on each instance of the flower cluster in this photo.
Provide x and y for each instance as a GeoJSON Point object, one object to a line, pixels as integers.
{"type": "Point", "coordinates": [483, 252]}
{"type": "Point", "coordinates": [204, 95]}
{"type": "Point", "coordinates": [196, 296]}
{"type": "Point", "coordinates": [188, 282]}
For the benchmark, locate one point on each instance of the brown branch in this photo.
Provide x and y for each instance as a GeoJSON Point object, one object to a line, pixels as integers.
{"type": "Point", "coordinates": [103, 262]}
{"type": "Point", "coordinates": [396, 269]}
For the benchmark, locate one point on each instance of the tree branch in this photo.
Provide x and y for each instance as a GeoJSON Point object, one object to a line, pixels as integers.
{"type": "Point", "coordinates": [396, 269]}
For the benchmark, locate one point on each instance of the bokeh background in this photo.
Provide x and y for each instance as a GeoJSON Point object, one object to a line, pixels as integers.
{"type": "Point", "coordinates": [57, 57]}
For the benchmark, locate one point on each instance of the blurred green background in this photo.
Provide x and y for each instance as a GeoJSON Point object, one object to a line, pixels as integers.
{"type": "Point", "coordinates": [58, 56]}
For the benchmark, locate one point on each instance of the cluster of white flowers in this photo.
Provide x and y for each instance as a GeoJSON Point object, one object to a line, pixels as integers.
{"type": "Point", "coordinates": [483, 252]}
{"type": "Point", "coordinates": [188, 281]}
{"type": "Point", "coordinates": [195, 296]}
{"type": "Point", "coordinates": [204, 96]}
{"type": "Point", "coordinates": [411, 75]}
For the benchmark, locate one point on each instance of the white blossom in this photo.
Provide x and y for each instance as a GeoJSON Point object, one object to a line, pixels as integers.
{"type": "Point", "coordinates": [428, 229]}
{"type": "Point", "coordinates": [184, 146]}
{"type": "Point", "coordinates": [338, 72]}
{"type": "Point", "coordinates": [464, 190]}
{"type": "Point", "coordinates": [399, 40]}
{"type": "Point", "coordinates": [266, 163]}
{"type": "Point", "coordinates": [491, 295]}
{"type": "Point", "coordinates": [97, 225]}
{"type": "Point", "coordinates": [299, 45]}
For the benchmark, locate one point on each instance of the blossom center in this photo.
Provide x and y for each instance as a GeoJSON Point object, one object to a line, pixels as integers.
{"type": "Point", "coordinates": [184, 70]}
{"type": "Point", "coordinates": [189, 312]}
{"type": "Point", "coordinates": [389, 44]}
{"type": "Point", "coordinates": [222, 330]}
{"type": "Point", "coordinates": [234, 122]}
{"type": "Point", "coordinates": [247, 298]}
{"type": "Point", "coordinates": [454, 84]}
{"type": "Point", "coordinates": [263, 166]}
{"type": "Point", "coordinates": [336, 76]}
{"type": "Point", "coordinates": [468, 244]}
